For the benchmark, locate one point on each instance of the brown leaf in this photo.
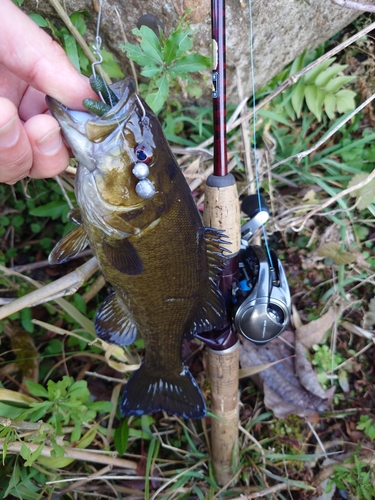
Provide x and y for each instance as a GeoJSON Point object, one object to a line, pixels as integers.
{"type": "Point", "coordinates": [313, 332]}
{"type": "Point", "coordinates": [305, 372]}
{"type": "Point", "coordinates": [283, 392]}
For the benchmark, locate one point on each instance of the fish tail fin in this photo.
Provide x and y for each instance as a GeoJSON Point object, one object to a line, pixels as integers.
{"type": "Point", "coordinates": [146, 392]}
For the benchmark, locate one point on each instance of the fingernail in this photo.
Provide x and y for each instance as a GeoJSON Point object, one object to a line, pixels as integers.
{"type": "Point", "coordinates": [50, 143]}
{"type": "Point", "coordinates": [10, 133]}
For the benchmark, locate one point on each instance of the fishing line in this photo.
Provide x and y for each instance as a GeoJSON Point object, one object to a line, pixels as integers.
{"type": "Point", "coordinates": [257, 183]}
{"type": "Point", "coordinates": [97, 51]}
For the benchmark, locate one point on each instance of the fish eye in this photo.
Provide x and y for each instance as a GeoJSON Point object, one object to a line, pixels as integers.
{"type": "Point", "coordinates": [143, 153]}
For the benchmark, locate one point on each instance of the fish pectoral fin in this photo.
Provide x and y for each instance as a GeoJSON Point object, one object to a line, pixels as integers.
{"type": "Point", "coordinates": [122, 255]}
{"type": "Point", "coordinates": [113, 323]}
{"type": "Point", "coordinates": [69, 246]}
{"type": "Point", "coordinates": [75, 216]}
{"type": "Point", "coordinates": [146, 392]}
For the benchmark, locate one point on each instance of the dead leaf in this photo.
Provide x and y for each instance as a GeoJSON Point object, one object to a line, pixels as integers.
{"type": "Point", "coordinates": [365, 195]}
{"type": "Point", "coordinates": [333, 251]}
{"type": "Point", "coordinates": [313, 332]}
{"type": "Point", "coordinates": [305, 371]}
{"type": "Point", "coordinates": [284, 393]}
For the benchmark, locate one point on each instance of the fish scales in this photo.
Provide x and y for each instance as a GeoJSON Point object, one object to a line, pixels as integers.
{"type": "Point", "coordinates": [162, 263]}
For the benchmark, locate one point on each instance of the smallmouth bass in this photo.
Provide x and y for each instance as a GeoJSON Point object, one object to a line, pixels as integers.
{"type": "Point", "coordinates": [151, 245]}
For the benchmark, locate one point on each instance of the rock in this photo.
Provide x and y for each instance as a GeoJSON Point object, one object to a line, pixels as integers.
{"type": "Point", "coordinates": [282, 30]}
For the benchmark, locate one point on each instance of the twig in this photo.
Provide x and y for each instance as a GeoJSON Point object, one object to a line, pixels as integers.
{"type": "Point", "coordinates": [67, 285]}
{"type": "Point", "coordinates": [354, 5]}
{"type": "Point", "coordinates": [63, 190]}
{"type": "Point", "coordinates": [80, 40]}
{"type": "Point", "coordinates": [75, 454]}
{"type": "Point", "coordinates": [266, 491]}
{"type": "Point", "coordinates": [132, 65]}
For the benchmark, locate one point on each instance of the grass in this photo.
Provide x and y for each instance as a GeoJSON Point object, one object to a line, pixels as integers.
{"type": "Point", "coordinates": [61, 433]}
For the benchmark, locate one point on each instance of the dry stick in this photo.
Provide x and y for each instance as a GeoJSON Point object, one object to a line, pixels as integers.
{"type": "Point", "coordinates": [354, 5]}
{"type": "Point", "coordinates": [67, 285]}
{"type": "Point", "coordinates": [74, 453]}
{"type": "Point", "coordinates": [132, 65]}
{"type": "Point", "coordinates": [80, 40]}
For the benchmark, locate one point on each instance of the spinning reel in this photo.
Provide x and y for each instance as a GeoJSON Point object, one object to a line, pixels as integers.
{"type": "Point", "coordinates": [261, 297]}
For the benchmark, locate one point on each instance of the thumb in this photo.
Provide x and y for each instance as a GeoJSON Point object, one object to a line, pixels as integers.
{"type": "Point", "coordinates": [29, 53]}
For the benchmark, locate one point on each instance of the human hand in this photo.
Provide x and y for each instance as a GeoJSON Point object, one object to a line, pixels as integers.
{"type": "Point", "coordinates": [32, 65]}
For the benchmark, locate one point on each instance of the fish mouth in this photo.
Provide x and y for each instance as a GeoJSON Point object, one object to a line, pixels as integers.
{"type": "Point", "coordinates": [92, 126]}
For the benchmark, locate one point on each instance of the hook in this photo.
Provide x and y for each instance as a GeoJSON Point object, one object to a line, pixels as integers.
{"type": "Point", "coordinates": [141, 106]}
{"type": "Point", "coordinates": [97, 53]}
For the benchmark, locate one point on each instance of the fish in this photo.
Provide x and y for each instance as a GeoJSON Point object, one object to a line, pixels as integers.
{"type": "Point", "coordinates": [137, 213]}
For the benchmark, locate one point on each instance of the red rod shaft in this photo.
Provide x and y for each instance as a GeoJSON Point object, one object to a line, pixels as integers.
{"type": "Point", "coordinates": [219, 88]}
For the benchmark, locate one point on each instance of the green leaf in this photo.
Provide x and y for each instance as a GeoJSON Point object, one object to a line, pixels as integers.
{"type": "Point", "coordinates": [298, 94]}
{"type": "Point", "coordinates": [345, 100]}
{"type": "Point", "coordinates": [311, 76]}
{"type": "Point", "coordinates": [326, 76]}
{"type": "Point", "coordinates": [36, 389]}
{"type": "Point", "coordinates": [330, 105]}
{"type": "Point", "coordinates": [173, 45]}
{"type": "Point", "coordinates": [70, 46]}
{"type": "Point", "coordinates": [26, 320]}
{"type": "Point", "coordinates": [289, 110]}
{"type": "Point", "coordinates": [191, 63]}
{"type": "Point", "coordinates": [121, 437]}
{"type": "Point", "coordinates": [336, 83]}
{"type": "Point", "coordinates": [135, 53]}
{"type": "Point", "coordinates": [272, 115]}
{"type": "Point", "coordinates": [150, 43]}
{"type": "Point", "coordinates": [78, 21]}
{"type": "Point", "coordinates": [157, 99]}
{"type": "Point", "coordinates": [297, 64]}
{"type": "Point", "coordinates": [39, 20]}
{"type": "Point", "coordinates": [33, 456]}
{"type": "Point", "coordinates": [151, 71]}
{"type": "Point", "coordinates": [110, 66]}
{"type": "Point", "coordinates": [54, 209]}
{"type": "Point", "coordinates": [314, 100]}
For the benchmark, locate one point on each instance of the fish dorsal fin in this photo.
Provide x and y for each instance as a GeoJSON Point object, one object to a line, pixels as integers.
{"type": "Point", "coordinates": [210, 313]}
{"type": "Point", "coordinates": [69, 246]}
{"type": "Point", "coordinates": [75, 216]}
{"type": "Point", "coordinates": [113, 323]}
{"type": "Point", "coordinates": [122, 255]}
{"type": "Point", "coordinates": [215, 251]}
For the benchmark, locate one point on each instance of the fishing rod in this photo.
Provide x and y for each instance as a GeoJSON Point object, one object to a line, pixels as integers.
{"type": "Point", "coordinates": [253, 281]}
{"type": "Point", "coordinates": [222, 211]}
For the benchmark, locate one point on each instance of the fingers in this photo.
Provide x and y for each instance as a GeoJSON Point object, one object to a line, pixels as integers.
{"type": "Point", "coordinates": [35, 148]}
{"type": "Point", "coordinates": [28, 52]}
{"type": "Point", "coordinates": [15, 149]}
{"type": "Point", "coordinates": [50, 156]}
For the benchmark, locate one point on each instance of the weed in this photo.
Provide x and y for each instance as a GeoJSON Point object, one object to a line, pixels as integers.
{"type": "Point", "coordinates": [167, 62]}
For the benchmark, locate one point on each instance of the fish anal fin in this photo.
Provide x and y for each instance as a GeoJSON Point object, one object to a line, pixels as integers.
{"type": "Point", "coordinates": [69, 246]}
{"type": "Point", "coordinates": [122, 255]}
{"type": "Point", "coordinates": [113, 324]}
{"type": "Point", "coordinates": [146, 392]}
